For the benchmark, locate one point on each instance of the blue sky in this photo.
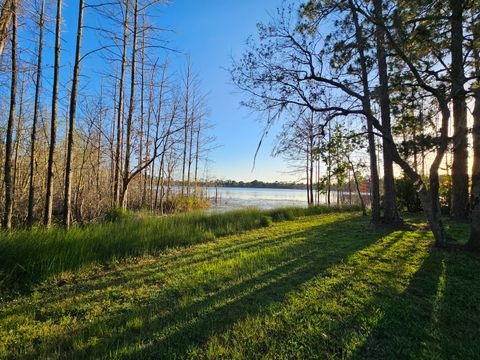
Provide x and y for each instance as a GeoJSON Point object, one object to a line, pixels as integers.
{"type": "Point", "coordinates": [212, 31]}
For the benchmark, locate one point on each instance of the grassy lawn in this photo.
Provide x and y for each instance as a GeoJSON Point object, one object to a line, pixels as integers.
{"type": "Point", "coordinates": [322, 286]}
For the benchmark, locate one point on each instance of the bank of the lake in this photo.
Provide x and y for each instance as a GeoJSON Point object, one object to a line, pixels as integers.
{"type": "Point", "coordinates": [30, 256]}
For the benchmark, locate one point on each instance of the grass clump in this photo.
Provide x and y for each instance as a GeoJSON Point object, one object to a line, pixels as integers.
{"type": "Point", "coordinates": [30, 256]}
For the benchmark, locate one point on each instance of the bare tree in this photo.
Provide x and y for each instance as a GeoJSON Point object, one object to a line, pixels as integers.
{"type": "Point", "coordinates": [36, 109]}
{"type": "Point", "coordinates": [10, 125]}
{"type": "Point", "coordinates": [53, 123]}
{"type": "Point", "coordinates": [71, 121]}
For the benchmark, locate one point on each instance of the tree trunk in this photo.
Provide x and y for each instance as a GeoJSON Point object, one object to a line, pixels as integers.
{"type": "Point", "coordinates": [357, 186]}
{"type": "Point", "coordinates": [67, 209]}
{"type": "Point", "coordinates": [5, 20]}
{"type": "Point", "coordinates": [118, 152]}
{"type": "Point", "coordinates": [185, 138]}
{"type": "Point", "coordinates": [18, 140]}
{"type": "Point", "coordinates": [153, 203]}
{"type": "Point", "coordinates": [197, 152]}
{"type": "Point", "coordinates": [190, 150]}
{"type": "Point", "coordinates": [459, 208]}
{"type": "Point", "coordinates": [375, 183]}
{"type": "Point", "coordinates": [142, 118]}
{"type": "Point", "coordinates": [390, 215]}
{"type": "Point", "coordinates": [7, 221]}
{"type": "Point", "coordinates": [474, 240]}
{"type": "Point", "coordinates": [31, 190]}
{"type": "Point", "coordinates": [53, 123]}
{"type": "Point", "coordinates": [311, 169]}
{"type": "Point", "coordinates": [128, 144]}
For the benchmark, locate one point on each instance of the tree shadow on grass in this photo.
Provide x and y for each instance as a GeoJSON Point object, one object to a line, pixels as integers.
{"type": "Point", "coordinates": [175, 333]}
{"type": "Point", "coordinates": [436, 317]}
{"type": "Point", "coordinates": [178, 317]}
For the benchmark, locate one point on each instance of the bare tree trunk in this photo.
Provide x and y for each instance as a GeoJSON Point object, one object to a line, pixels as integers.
{"type": "Point", "coordinates": [185, 139]}
{"type": "Point", "coordinates": [153, 204]}
{"type": "Point", "coordinates": [357, 186]}
{"type": "Point", "coordinates": [160, 179]}
{"type": "Point", "coordinates": [7, 221]}
{"type": "Point", "coordinates": [390, 215]}
{"type": "Point", "coordinates": [128, 144]}
{"type": "Point", "coordinates": [147, 141]}
{"type": "Point", "coordinates": [190, 151]}
{"type": "Point", "coordinates": [18, 140]}
{"type": "Point", "coordinates": [112, 146]}
{"type": "Point", "coordinates": [5, 20]}
{"type": "Point", "coordinates": [67, 209]}
{"type": "Point", "coordinates": [142, 117]}
{"type": "Point", "coordinates": [118, 153]}
{"type": "Point", "coordinates": [53, 124]}
{"type": "Point", "coordinates": [99, 146]}
{"type": "Point", "coordinates": [197, 152]}
{"type": "Point", "coordinates": [33, 138]}
{"type": "Point", "coordinates": [459, 208]}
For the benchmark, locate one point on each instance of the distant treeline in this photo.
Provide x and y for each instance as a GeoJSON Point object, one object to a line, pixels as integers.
{"type": "Point", "coordinates": [258, 184]}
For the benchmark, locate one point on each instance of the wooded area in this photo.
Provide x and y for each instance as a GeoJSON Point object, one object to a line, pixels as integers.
{"type": "Point", "coordinates": [93, 150]}
{"type": "Point", "coordinates": [401, 76]}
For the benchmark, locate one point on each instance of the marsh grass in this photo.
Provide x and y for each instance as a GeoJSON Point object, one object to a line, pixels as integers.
{"type": "Point", "coordinates": [30, 256]}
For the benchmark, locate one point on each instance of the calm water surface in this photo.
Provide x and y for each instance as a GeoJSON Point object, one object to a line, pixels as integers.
{"type": "Point", "coordinates": [238, 198]}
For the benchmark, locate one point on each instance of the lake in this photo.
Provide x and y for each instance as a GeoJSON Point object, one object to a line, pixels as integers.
{"type": "Point", "coordinates": [266, 198]}
{"type": "Point", "coordinates": [262, 198]}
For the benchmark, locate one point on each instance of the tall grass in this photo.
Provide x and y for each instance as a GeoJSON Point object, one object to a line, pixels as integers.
{"type": "Point", "coordinates": [30, 256]}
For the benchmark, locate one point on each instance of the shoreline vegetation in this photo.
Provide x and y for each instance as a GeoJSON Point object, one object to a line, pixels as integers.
{"type": "Point", "coordinates": [31, 256]}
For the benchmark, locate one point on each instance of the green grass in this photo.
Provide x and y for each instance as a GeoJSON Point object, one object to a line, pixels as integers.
{"type": "Point", "coordinates": [30, 256]}
{"type": "Point", "coordinates": [326, 287]}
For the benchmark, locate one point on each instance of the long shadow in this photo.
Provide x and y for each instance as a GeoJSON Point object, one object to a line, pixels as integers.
{"type": "Point", "coordinates": [344, 296]}
{"type": "Point", "coordinates": [170, 328]}
{"type": "Point", "coordinates": [199, 321]}
{"type": "Point", "coordinates": [167, 262]}
{"type": "Point", "coordinates": [436, 317]}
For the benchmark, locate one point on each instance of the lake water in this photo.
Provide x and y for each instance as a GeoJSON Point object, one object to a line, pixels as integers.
{"type": "Point", "coordinates": [264, 198]}
{"type": "Point", "coordinates": [238, 198]}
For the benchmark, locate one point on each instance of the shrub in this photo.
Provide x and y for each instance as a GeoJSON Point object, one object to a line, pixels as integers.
{"type": "Point", "coordinates": [115, 214]}
{"type": "Point", "coordinates": [265, 221]}
{"type": "Point", "coordinates": [407, 197]}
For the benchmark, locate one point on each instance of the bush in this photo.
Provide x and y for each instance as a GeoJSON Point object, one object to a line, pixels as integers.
{"type": "Point", "coordinates": [407, 197]}
{"type": "Point", "coordinates": [116, 214]}
{"type": "Point", "coordinates": [265, 221]}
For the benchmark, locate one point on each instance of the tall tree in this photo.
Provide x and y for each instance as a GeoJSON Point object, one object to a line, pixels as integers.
{"type": "Point", "coordinates": [186, 123]}
{"type": "Point", "coordinates": [71, 121]}
{"type": "Point", "coordinates": [53, 122]}
{"type": "Point", "coordinates": [460, 141]}
{"type": "Point", "coordinates": [121, 86]}
{"type": "Point", "coordinates": [390, 208]}
{"type": "Point", "coordinates": [129, 125]}
{"type": "Point", "coordinates": [367, 107]}
{"type": "Point", "coordinates": [6, 16]}
{"type": "Point", "coordinates": [10, 125]}
{"type": "Point", "coordinates": [36, 106]}
{"type": "Point", "coordinates": [474, 240]}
